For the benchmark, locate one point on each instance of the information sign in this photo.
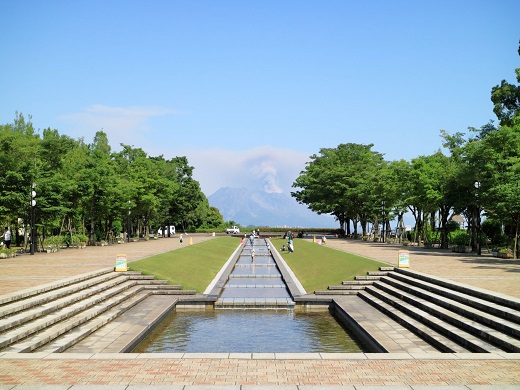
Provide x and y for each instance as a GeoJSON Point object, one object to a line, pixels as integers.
{"type": "Point", "coordinates": [121, 265]}
{"type": "Point", "coordinates": [404, 259]}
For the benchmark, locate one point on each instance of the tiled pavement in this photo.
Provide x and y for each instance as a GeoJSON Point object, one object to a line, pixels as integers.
{"type": "Point", "coordinates": [259, 371]}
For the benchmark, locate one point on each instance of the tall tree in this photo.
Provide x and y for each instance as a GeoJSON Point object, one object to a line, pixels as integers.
{"type": "Point", "coordinates": [20, 162]}
{"type": "Point", "coordinates": [506, 100]}
{"type": "Point", "coordinates": [500, 178]}
{"type": "Point", "coordinates": [342, 182]}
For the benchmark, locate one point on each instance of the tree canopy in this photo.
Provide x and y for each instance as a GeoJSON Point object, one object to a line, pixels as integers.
{"type": "Point", "coordinates": [89, 189]}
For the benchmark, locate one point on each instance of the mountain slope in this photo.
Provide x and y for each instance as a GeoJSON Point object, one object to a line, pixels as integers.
{"type": "Point", "coordinates": [258, 208]}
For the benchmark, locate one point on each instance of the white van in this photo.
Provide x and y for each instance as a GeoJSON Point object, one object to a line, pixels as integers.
{"type": "Point", "coordinates": [171, 229]}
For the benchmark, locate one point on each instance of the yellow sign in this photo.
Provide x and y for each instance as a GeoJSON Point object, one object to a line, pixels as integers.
{"type": "Point", "coordinates": [404, 259]}
{"type": "Point", "coordinates": [121, 265]}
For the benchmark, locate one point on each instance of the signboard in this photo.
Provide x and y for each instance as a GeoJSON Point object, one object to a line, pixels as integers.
{"type": "Point", "coordinates": [121, 265]}
{"type": "Point", "coordinates": [404, 259]}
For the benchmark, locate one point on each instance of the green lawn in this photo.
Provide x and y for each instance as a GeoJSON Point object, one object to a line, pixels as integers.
{"type": "Point", "coordinates": [318, 266]}
{"type": "Point", "coordinates": [195, 266]}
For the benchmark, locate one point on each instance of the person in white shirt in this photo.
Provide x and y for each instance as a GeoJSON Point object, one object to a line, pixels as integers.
{"type": "Point", "coordinates": [7, 237]}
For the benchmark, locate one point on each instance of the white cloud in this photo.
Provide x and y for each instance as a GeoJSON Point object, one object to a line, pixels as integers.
{"type": "Point", "coordinates": [267, 168]}
{"type": "Point", "coordinates": [127, 125]}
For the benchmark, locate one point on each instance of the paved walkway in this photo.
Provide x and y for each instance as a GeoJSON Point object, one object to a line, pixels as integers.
{"type": "Point", "coordinates": [258, 371]}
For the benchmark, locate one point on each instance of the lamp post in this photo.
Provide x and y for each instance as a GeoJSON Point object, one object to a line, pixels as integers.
{"type": "Point", "coordinates": [33, 231]}
{"type": "Point", "coordinates": [128, 223]}
{"type": "Point", "coordinates": [383, 224]}
{"type": "Point", "coordinates": [479, 246]}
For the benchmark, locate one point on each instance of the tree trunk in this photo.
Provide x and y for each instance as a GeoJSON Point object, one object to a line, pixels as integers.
{"type": "Point", "coordinates": [474, 229]}
{"type": "Point", "coordinates": [92, 224]}
{"type": "Point", "coordinates": [517, 242]}
{"type": "Point", "coordinates": [444, 214]}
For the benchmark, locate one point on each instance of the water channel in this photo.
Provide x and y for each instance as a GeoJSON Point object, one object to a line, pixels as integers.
{"type": "Point", "coordinates": [254, 313]}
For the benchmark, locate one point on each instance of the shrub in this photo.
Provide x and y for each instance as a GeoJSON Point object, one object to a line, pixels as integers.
{"type": "Point", "coordinates": [53, 243]}
{"type": "Point", "coordinates": [459, 238]}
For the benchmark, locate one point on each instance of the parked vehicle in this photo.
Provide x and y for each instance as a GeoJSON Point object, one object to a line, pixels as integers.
{"type": "Point", "coordinates": [233, 230]}
{"type": "Point", "coordinates": [171, 229]}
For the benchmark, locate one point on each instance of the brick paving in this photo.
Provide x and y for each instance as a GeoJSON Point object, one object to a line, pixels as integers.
{"type": "Point", "coordinates": [375, 371]}
{"type": "Point", "coordinates": [263, 370]}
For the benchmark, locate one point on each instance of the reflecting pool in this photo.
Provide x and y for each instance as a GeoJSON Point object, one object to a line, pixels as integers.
{"type": "Point", "coordinates": [249, 331]}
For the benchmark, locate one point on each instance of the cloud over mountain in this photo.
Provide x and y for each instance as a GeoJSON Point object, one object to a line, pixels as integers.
{"type": "Point", "coordinates": [259, 208]}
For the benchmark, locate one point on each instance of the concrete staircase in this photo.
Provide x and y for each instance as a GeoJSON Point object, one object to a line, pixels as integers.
{"type": "Point", "coordinates": [352, 287]}
{"type": "Point", "coordinates": [56, 316]}
{"type": "Point", "coordinates": [449, 316]}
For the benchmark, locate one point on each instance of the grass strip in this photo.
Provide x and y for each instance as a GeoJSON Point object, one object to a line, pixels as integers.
{"type": "Point", "coordinates": [192, 266]}
{"type": "Point", "coordinates": [318, 266]}
{"type": "Point", "coordinates": [195, 266]}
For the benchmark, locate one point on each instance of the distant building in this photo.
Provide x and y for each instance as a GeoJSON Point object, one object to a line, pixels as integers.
{"type": "Point", "coordinates": [460, 220]}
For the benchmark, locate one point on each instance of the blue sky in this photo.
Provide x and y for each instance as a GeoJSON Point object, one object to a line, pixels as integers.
{"type": "Point", "coordinates": [248, 90]}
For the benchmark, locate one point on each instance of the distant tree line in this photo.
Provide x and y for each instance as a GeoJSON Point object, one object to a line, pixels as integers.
{"type": "Point", "coordinates": [88, 189]}
{"type": "Point", "coordinates": [479, 176]}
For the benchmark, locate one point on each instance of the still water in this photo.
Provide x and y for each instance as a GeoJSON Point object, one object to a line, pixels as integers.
{"type": "Point", "coordinates": [250, 331]}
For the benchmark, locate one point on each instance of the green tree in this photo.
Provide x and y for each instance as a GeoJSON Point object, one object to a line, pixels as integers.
{"type": "Point", "coordinates": [187, 203]}
{"type": "Point", "coordinates": [499, 155]}
{"type": "Point", "coordinates": [99, 177]}
{"type": "Point", "coordinates": [54, 206]}
{"type": "Point", "coordinates": [20, 162]}
{"type": "Point", "coordinates": [506, 100]}
{"type": "Point", "coordinates": [341, 182]}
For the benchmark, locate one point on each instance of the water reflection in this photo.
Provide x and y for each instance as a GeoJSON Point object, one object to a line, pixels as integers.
{"type": "Point", "coordinates": [250, 331]}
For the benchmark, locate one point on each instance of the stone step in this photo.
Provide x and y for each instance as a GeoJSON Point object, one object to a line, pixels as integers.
{"type": "Point", "coordinates": [469, 297]}
{"type": "Point", "coordinates": [357, 282]}
{"type": "Point", "coordinates": [367, 277]}
{"type": "Point", "coordinates": [244, 303]}
{"type": "Point", "coordinates": [48, 306]}
{"type": "Point", "coordinates": [75, 335]}
{"type": "Point", "coordinates": [469, 312]}
{"type": "Point", "coordinates": [382, 333]}
{"type": "Point", "coordinates": [150, 282]}
{"type": "Point", "coordinates": [55, 316]}
{"type": "Point", "coordinates": [386, 268]}
{"type": "Point", "coordinates": [377, 273]}
{"type": "Point", "coordinates": [49, 333]}
{"type": "Point", "coordinates": [35, 299]}
{"type": "Point", "coordinates": [41, 323]}
{"type": "Point", "coordinates": [163, 286]}
{"type": "Point", "coordinates": [436, 340]}
{"type": "Point", "coordinates": [40, 290]}
{"type": "Point", "coordinates": [475, 328]}
{"type": "Point", "coordinates": [123, 333]}
{"type": "Point", "coordinates": [455, 334]}
{"type": "Point", "coordinates": [336, 292]}
{"type": "Point", "coordinates": [347, 287]}
{"type": "Point", "coordinates": [138, 276]}
{"type": "Point", "coordinates": [503, 300]}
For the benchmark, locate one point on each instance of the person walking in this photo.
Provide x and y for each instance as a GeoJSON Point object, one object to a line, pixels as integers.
{"type": "Point", "coordinates": [7, 237]}
{"type": "Point", "coordinates": [180, 239]}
